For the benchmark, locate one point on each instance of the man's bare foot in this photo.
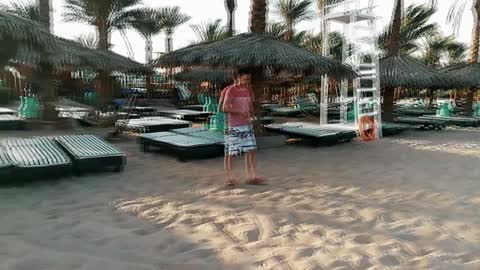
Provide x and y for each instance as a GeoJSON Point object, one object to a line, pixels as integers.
{"type": "Point", "coordinates": [230, 182]}
{"type": "Point", "coordinates": [256, 181]}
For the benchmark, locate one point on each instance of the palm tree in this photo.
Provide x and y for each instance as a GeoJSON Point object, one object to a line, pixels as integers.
{"type": "Point", "coordinates": [314, 43]}
{"type": "Point", "coordinates": [106, 16]}
{"type": "Point", "coordinates": [278, 30]}
{"type": "Point", "coordinates": [258, 25]}
{"type": "Point", "coordinates": [441, 51]}
{"type": "Point", "coordinates": [414, 26]}
{"type": "Point", "coordinates": [258, 16]}
{"type": "Point", "coordinates": [231, 5]}
{"type": "Point", "coordinates": [210, 31]}
{"type": "Point", "coordinates": [148, 24]}
{"type": "Point", "coordinates": [455, 16]}
{"type": "Point", "coordinates": [292, 12]}
{"type": "Point", "coordinates": [25, 9]}
{"type": "Point", "coordinates": [45, 13]}
{"type": "Point", "coordinates": [172, 18]}
{"type": "Point", "coordinates": [87, 40]}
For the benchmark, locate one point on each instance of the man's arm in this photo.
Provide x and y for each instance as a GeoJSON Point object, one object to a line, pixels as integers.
{"type": "Point", "coordinates": [228, 103]}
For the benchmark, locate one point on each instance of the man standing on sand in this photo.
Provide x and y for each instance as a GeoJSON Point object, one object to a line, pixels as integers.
{"type": "Point", "coordinates": [240, 137]}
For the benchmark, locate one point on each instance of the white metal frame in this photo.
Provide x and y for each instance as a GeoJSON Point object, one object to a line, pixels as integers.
{"type": "Point", "coordinates": [355, 16]}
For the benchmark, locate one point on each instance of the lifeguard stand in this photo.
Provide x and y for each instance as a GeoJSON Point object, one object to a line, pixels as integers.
{"type": "Point", "coordinates": [359, 52]}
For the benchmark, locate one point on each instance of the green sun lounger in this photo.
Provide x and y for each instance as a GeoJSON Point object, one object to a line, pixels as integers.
{"type": "Point", "coordinates": [391, 129]}
{"type": "Point", "coordinates": [6, 167]}
{"type": "Point", "coordinates": [197, 107]}
{"type": "Point", "coordinates": [11, 122]}
{"type": "Point", "coordinates": [7, 111]}
{"type": "Point", "coordinates": [184, 147]}
{"type": "Point", "coordinates": [454, 120]}
{"type": "Point", "coordinates": [421, 123]}
{"type": "Point", "coordinates": [286, 112]}
{"type": "Point", "coordinates": [414, 111]}
{"type": "Point", "coordinates": [188, 115]}
{"type": "Point", "coordinates": [91, 154]}
{"type": "Point", "coordinates": [38, 157]}
{"type": "Point", "coordinates": [313, 134]}
{"type": "Point", "coordinates": [202, 133]}
{"type": "Point", "coordinates": [151, 124]}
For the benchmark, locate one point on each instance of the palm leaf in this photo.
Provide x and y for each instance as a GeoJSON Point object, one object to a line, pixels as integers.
{"type": "Point", "coordinates": [253, 50]}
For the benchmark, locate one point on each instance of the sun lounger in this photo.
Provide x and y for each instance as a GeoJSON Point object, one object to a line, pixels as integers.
{"type": "Point", "coordinates": [391, 129]}
{"type": "Point", "coordinates": [314, 134]}
{"type": "Point", "coordinates": [188, 115]}
{"type": "Point", "coordinates": [143, 111]}
{"type": "Point", "coordinates": [286, 112]}
{"type": "Point", "coordinates": [414, 111]}
{"type": "Point", "coordinates": [216, 137]}
{"type": "Point", "coordinates": [35, 158]}
{"type": "Point", "coordinates": [421, 123]}
{"type": "Point", "coordinates": [6, 167]}
{"type": "Point", "coordinates": [7, 111]}
{"type": "Point", "coordinates": [185, 147]}
{"type": "Point", "coordinates": [454, 120]}
{"type": "Point", "coordinates": [198, 107]}
{"type": "Point", "coordinates": [151, 124]}
{"type": "Point", "coordinates": [90, 153]}
{"type": "Point", "coordinates": [11, 122]}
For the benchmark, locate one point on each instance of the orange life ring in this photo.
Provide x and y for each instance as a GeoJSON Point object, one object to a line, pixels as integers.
{"type": "Point", "coordinates": [368, 128]}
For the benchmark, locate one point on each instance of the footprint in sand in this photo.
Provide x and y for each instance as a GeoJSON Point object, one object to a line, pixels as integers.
{"type": "Point", "coordinates": [363, 239]}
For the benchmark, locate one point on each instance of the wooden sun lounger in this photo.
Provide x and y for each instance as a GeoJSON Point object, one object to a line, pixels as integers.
{"type": "Point", "coordinates": [184, 147]}
{"type": "Point", "coordinates": [455, 120]}
{"type": "Point", "coordinates": [38, 157]}
{"type": "Point", "coordinates": [421, 123]}
{"type": "Point", "coordinates": [90, 153]}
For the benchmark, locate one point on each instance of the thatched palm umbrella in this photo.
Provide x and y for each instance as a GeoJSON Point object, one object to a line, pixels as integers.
{"type": "Point", "coordinates": [253, 50]}
{"type": "Point", "coordinates": [258, 52]}
{"type": "Point", "coordinates": [405, 71]}
{"type": "Point", "coordinates": [467, 75]}
{"type": "Point", "coordinates": [25, 42]}
{"type": "Point", "coordinates": [202, 74]}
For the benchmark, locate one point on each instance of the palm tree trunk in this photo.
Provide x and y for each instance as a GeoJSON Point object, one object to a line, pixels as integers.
{"type": "Point", "coordinates": [169, 43]}
{"type": "Point", "coordinates": [388, 98]}
{"type": "Point", "coordinates": [103, 75]}
{"type": "Point", "coordinates": [45, 76]}
{"type": "Point", "coordinates": [289, 32]}
{"type": "Point", "coordinates": [393, 45]}
{"type": "Point", "coordinates": [45, 13]}
{"type": "Point", "coordinates": [258, 16]}
{"type": "Point", "coordinates": [148, 49]}
{"type": "Point", "coordinates": [474, 52]}
{"type": "Point", "coordinates": [102, 31]}
{"type": "Point", "coordinates": [231, 6]}
{"type": "Point", "coordinates": [258, 24]}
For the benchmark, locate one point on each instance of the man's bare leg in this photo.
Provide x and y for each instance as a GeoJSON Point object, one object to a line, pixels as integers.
{"type": "Point", "coordinates": [253, 164]}
{"type": "Point", "coordinates": [228, 160]}
{"type": "Point", "coordinates": [249, 173]}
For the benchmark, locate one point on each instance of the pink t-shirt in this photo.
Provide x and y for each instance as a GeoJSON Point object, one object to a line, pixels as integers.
{"type": "Point", "coordinates": [238, 101]}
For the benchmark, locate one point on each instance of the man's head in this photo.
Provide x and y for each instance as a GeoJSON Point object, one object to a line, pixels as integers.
{"type": "Point", "coordinates": [243, 77]}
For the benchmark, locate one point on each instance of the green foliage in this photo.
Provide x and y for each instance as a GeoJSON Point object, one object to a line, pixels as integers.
{"type": "Point", "coordinates": [25, 9]}
{"type": "Point", "coordinates": [415, 26]}
{"type": "Point", "coordinates": [253, 50]}
{"type": "Point", "coordinates": [210, 31]}
{"type": "Point", "coordinates": [172, 18]}
{"type": "Point", "coordinates": [440, 51]}
{"type": "Point", "coordinates": [148, 23]}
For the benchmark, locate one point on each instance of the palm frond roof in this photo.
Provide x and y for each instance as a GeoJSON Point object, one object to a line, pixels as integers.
{"type": "Point", "coordinates": [204, 74]}
{"type": "Point", "coordinates": [466, 75]}
{"type": "Point", "coordinates": [254, 50]}
{"type": "Point", "coordinates": [33, 45]}
{"type": "Point", "coordinates": [406, 71]}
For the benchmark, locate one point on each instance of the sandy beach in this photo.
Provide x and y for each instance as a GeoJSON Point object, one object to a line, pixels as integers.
{"type": "Point", "coordinates": [405, 202]}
